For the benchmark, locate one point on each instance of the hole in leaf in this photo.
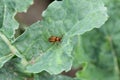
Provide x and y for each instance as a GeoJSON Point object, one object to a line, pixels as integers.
{"type": "Point", "coordinates": [32, 15]}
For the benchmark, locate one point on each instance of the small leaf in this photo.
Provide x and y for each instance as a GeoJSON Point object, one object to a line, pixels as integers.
{"type": "Point", "coordinates": [8, 9]}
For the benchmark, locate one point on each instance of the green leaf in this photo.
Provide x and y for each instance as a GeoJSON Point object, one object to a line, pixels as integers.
{"type": "Point", "coordinates": [41, 53]}
{"type": "Point", "coordinates": [60, 20]}
{"type": "Point", "coordinates": [8, 9]}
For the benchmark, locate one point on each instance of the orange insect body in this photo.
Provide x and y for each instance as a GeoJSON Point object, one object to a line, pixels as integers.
{"type": "Point", "coordinates": [54, 39]}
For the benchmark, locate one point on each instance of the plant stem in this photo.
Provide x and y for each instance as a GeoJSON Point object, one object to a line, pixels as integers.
{"type": "Point", "coordinates": [12, 48]}
{"type": "Point", "coordinates": [116, 65]}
